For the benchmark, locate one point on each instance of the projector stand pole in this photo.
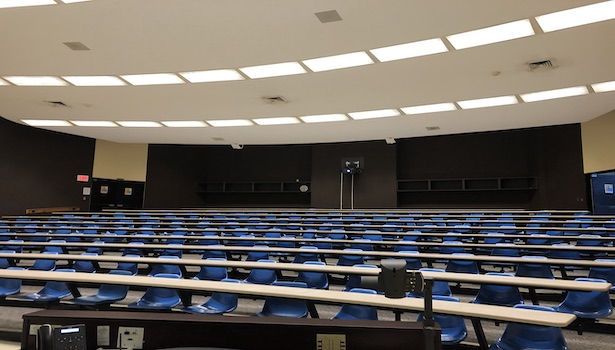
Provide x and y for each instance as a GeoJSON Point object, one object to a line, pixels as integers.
{"type": "Point", "coordinates": [429, 324]}
{"type": "Point", "coordinates": [341, 191]}
{"type": "Point", "coordinates": [352, 191]}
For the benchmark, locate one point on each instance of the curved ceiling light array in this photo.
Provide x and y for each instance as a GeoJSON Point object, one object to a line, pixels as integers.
{"type": "Point", "coordinates": [504, 32]}
{"type": "Point", "coordinates": [383, 113]}
{"type": "Point", "coordinates": [27, 3]}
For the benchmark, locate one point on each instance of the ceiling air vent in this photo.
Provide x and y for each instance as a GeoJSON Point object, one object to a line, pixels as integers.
{"type": "Point", "coordinates": [274, 100]}
{"type": "Point", "coordinates": [541, 65]}
{"type": "Point", "coordinates": [432, 128]}
{"type": "Point", "coordinates": [328, 16]}
{"type": "Point", "coordinates": [56, 103]}
{"type": "Point", "coordinates": [76, 46]}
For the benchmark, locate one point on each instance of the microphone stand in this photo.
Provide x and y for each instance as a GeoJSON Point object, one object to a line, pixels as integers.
{"type": "Point", "coordinates": [429, 325]}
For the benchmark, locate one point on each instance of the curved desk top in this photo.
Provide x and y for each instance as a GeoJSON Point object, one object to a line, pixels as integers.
{"type": "Point", "coordinates": [558, 284]}
{"type": "Point", "coordinates": [477, 311]}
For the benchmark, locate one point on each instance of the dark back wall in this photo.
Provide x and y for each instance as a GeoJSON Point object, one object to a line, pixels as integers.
{"type": "Point", "coordinates": [39, 168]}
{"type": "Point", "coordinates": [551, 154]}
{"type": "Point", "coordinates": [549, 157]}
{"type": "Point", "coordinates": [374, 187]}
{"type": "Point", "coordinates": [173, 173]}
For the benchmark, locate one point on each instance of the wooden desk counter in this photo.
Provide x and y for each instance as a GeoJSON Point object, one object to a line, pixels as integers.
{"type": "Point", "coordinates": [527, 282]}
{"type": "Point", "coordinates": [334, 252]}
{"type": "Point", "coordinates": [478, 311]}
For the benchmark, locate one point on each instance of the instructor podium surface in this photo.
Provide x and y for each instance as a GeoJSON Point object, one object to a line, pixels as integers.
{"type": "Point", "coordinates": [173, 330]}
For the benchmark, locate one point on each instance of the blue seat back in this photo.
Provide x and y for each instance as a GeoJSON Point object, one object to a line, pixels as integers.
{"type": "Point", "coordinates": [526, 336]}
{"type": "Point", "coordinates": [358, 312]}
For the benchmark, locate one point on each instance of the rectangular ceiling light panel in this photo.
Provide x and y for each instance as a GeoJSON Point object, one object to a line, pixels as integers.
{"type": "Point", "coordinates": [347, 60]}
{"type": "Point", "coordinates": [139, 124]}
{"type": "Point", "coordinates": [153, 79]}
{"type": "Point", "coordinates": [276, 121]}
{"type": "Point", "coordinates": [94, 123]}
{"type": "Point", "coordinates": [185, 124]}
{"type": "Point", "coordinates": [552, 94]}
{"type": "Point", "coordinates": [209, 76]}
{"type": "Point", "coordinates": [323, 118]}
{"type": "Point", "coordinates": [432, 108]}
{"type": "Point", "coordinates": [273, 70]}
{"type": "Point", "coordinates": [382, 113]}
{"type": "Point", "coordinates": [575, 17]}
{"type": "Point", "coordinates": [36, 81]}
{"type": "Point", "coordinates": [604, 87]}
{"type": "Point", "coordinates": [409, 50]}
{"type": "Point", "coordinates": [41, 122]}
{"type": "Point", "coordinates": [3, 82]}
{"type": "Point", "coordinates": [490, 35]}
{"type": "Point", "coordinates": [488, 102]}
{"type": "Point", "coordinates": [23, 3]}
{"type": "Point", "coordinates": [73, 1]}
{"type": "Point", "coordinates": [94, 80]}
{"type": "Point", "coordinates": [229, 122]}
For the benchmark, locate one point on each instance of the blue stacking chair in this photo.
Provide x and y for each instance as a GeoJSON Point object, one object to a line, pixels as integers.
{"type": "Point", "coordinates": [212, 273]}
{"type": "Point", "coordinates": [350, 260]}
{"type": "Point", "coordinates": [173, 249]}
{"type": "Point", "coordinates": [43, 264]}
{"type": "Point", "coordinates": [4, 262]}
{"type": "Point", "coordinates": [280, 307]}
{"type": "Point", "coordinates": [323, 243]}
{"type": "Point", "coordinates": [136, 248]}
{"type": "Point", "coordinates": [309, 253]}
{"type": "Point", "coordinates": [362, 244]}
{"type": "Point", "coordinates": [587, 306]}
{"type": "Point", "coordinates": [412, 263]}
{"type": "Point", "coordinates": [497, 294]}
{"type": "Point", "coordinates": [605, 273]}
{"type": "Point", "coordinates": [156, 298]}
{"type": "Point", "coordinates": [404, 247]}
{"type": "Point", "coordinates": [129, 266]}
{"type": "Point", "coordinates": [211, 251]}
{"type": "Point", "coordinates": [453, 327]}
{"type": "Point", "coordinates": [51, 248]}
{"type": "Point", "coordinates": [358, 312]}
{"type": "Point", "coordinates": [533, 269]}
{"type": "Point", "coordinates": [256, 256]}
{"type": "Point", "coordinates": [85, 265]}
{"type": "Point", "coordinates": [166, 268]}
{"type": "Point", "coordinates": [525, 336]}
{"type": "Point", "coordinates": [10, 286]}
{"type": "Point", "coordinates": [106, 295]}
{"type": "Point", "coordinates": [354, 281]}
{"type": "Point", "coordinates": [312, 279]}
{"type": "Point", "coordinates": [454, 247]}
{"type": "Point", "coordinates": [337, 234]}
{"type": "Point", "coordinates": [18, 248]}
{"type": "Point", "coordinates": [462, 266]}
{"type": "Point", "coordinates": [52, 291]}
{"type": "Point", "coordinates": [262, 276]}
{"type": "Point", "coordinates": [439, 287]}
{"type": "Point", "coordinates": [504, 249]}
{"type": "Point", "coordinates": [218, 303]}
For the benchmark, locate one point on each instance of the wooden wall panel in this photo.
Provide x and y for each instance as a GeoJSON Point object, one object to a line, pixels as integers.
{"type": "Point", "coordinates": [39, 168]}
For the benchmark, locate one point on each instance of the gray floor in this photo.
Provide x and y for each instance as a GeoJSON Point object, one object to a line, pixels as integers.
{"type": "Point", "coordinates": [11, 319]}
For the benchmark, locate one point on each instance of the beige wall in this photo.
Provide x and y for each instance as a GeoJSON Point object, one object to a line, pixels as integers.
{"type": "Point", "coordinates": [598, 137]}
{"type": "Point", "coordinates": [120, 161]}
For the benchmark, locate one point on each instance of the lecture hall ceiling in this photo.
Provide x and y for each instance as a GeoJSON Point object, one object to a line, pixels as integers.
{"type": "Point", "coordinates": [121, 43]}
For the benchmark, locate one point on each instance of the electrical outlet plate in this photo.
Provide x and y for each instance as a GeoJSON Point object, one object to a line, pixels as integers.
{"type": "Point", "coordinates": [130, 337]}
{"type": "Point", "coordinates": [102, 335]}
{"type": "Point", "coordinates": [330, 341]}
